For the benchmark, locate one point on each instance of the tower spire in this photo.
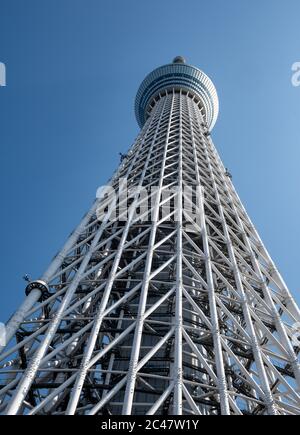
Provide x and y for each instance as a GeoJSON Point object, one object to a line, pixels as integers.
{"type": "Point", "coordinates": [179, 59]}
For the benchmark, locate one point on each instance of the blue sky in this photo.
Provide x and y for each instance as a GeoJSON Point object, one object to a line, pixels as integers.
{"type": "Point", "coordinates": [73, 69]}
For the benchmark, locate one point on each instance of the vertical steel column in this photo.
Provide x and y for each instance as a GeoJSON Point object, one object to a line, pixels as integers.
{"type": "Point", "coordinates": [177, 369]}
{"type": "Point", "coordinates": [132, 373]}
{"type": "Point", "coordinates": [224, 399]}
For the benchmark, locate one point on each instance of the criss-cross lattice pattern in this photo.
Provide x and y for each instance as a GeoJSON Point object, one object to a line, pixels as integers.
{"type": "Point", "coordinates": [159, 313]}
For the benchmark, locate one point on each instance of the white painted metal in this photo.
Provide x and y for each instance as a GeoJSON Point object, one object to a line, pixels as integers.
{"type": "Point", "coordinates": [157, 312]}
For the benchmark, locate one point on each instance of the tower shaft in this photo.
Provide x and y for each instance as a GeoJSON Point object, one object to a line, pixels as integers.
{"type": "Point", "coordinates": [164, 299]}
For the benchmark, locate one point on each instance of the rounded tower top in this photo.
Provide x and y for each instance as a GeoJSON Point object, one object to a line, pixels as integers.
{"type": "Point", "coordinates": [177, 75]}
{"type": "Point", "coordinates": [179, 59]}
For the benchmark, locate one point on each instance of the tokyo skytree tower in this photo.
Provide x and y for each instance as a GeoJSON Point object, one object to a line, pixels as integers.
{"type": "Point", "coordinates": [164, 299]}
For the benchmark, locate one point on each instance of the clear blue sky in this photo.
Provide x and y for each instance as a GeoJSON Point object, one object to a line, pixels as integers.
{"type": "Point", "coordinates": [73, 68]}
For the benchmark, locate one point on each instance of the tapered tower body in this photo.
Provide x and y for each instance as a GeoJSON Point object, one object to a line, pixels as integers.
{"type": "Point", "coordinates": [163, 300]}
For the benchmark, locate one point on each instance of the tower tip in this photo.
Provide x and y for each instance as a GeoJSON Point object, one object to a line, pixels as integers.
{"type": "Point", "coordinates": [179, 59]}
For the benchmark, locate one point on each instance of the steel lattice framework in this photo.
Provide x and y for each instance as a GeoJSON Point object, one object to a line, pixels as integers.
{"type": "Point", "coordinates": [159, 314]}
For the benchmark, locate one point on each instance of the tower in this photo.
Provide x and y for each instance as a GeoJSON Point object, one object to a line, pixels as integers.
{"type": "Point", "coordinates": [163, 300]}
